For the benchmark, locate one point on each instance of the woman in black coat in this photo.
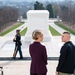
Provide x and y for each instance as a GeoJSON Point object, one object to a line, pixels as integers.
{"type": "Point", "coordinates": [38, 54]}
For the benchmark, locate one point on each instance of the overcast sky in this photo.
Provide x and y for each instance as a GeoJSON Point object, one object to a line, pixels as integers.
{"type": "Point", "coordinates": [42, 0]}
{"type": "Point", "coordinates": [29, 0]}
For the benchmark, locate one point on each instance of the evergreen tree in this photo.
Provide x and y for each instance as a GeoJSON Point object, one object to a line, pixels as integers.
{"type": "Point", "coordinates": [38, 6]}
{"type": "Point", "coordinates": [50, 9]}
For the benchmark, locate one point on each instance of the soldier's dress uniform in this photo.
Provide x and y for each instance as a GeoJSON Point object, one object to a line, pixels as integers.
{"type": "Point", "coordinates": [18, 44]}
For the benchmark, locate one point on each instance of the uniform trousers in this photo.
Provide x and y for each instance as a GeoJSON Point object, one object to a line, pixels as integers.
{"type": "Point", "coordinates": [60, 73]}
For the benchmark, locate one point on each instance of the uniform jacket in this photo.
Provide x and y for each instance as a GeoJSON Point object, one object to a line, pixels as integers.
{"type": "Point", "coordinates": [17, 40]}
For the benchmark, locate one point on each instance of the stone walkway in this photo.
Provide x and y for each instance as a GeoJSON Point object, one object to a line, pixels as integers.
{"type": "Point", "coordinates": [22, 67]}
{"type": "Point", "coordinates": [59, 29]}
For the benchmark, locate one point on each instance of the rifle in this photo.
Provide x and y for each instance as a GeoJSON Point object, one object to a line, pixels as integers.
{"type": "Point", "coordinates": [15, 51]}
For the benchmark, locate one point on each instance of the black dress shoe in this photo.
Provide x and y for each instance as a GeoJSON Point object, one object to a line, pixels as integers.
{"type": "Point", "coordinates": [14, 58]}
{"type": "Point", "coordinates": [20, 58]}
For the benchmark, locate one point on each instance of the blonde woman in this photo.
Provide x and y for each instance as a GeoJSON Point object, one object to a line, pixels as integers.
{"type": "Point", "coordinates": [38, 54]}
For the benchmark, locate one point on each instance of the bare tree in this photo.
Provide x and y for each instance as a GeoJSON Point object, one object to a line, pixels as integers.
{"type": "Point", "coordinates": [7, 16]}
{"type": "Point", "coordinates": [66, 11]}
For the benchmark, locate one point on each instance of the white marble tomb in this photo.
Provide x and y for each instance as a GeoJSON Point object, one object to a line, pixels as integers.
{"type": "Point", "coordinates": [38, 19]}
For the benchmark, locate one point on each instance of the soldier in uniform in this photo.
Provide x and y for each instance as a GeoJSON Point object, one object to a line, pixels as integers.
{"type": "Point", "coordinates": [18, 44]}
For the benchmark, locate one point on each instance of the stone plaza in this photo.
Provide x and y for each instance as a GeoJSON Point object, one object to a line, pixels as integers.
{"type": "Point", "coordinates": [22, 67]}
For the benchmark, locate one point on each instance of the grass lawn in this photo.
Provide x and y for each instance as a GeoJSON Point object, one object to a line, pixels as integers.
{"type": "Point", "coordinates": [54, 32]}
{"type": "Point", "coordinates": [23, 32]}
{"type": "Point", "coordinates": [11, 29]}
{"type": "Point", "coordinates": [62, 26]}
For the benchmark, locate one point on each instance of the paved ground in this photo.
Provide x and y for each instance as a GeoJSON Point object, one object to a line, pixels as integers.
{"type": "Point", "coordinates": [22, 67]}
{"type": "Point", "coordinates": [59, 29]}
